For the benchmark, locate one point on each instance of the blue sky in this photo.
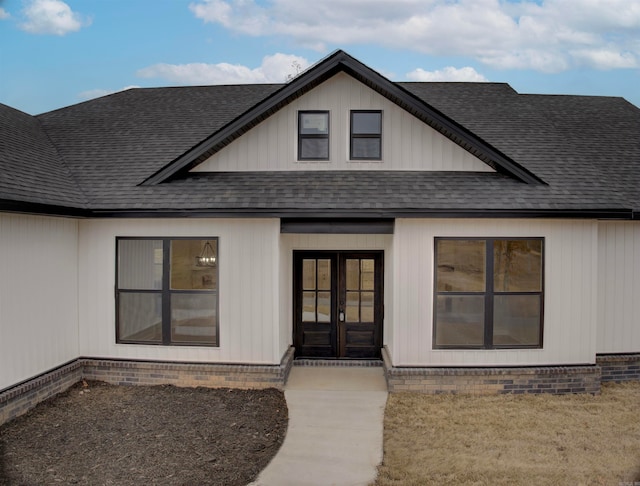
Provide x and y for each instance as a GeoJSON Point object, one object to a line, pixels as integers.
{"type": "Point", "coordinates": [55, 53]}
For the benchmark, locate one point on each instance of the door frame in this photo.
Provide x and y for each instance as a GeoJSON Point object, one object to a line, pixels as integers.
{"type": "Point", "coordinates": [338, 276]}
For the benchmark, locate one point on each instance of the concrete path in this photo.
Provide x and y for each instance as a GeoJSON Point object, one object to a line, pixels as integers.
{"type": "Point", "coordinates": [334, 436]}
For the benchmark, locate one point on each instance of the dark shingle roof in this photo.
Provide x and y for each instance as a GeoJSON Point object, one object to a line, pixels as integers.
{"type": "Point", "coordinates": [585, 149]}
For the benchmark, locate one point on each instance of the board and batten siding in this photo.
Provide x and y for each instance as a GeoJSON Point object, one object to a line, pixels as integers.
{"type": "Point", "coordinates": [337, 242]}
{"type": "Point", "coordinates": [618, 287]}
{"type": "Point", "coordinates": [407, 143]}
{"type": "Point", "coordinates": [248, 265]}
{"type": "Point", "coordinates": [38, 295]}
{"type": "Point", "coordinates": [570, 292]}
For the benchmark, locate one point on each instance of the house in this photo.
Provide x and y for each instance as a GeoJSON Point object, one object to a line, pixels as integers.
{"type": "Point", "coordinates": [468, 237]}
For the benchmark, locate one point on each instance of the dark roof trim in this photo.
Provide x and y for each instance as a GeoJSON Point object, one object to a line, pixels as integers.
{"type": "Point", "coordinates": [337, 62]}
{"type": "Point", "coordinates": [42, 209]}
{"type": "Point", "coordinates": [337, 226]}
{"type": "Point", "coordinates": [613, 214]}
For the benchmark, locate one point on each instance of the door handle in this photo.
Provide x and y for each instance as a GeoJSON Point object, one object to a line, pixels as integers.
{"type": "Point", "coordinates": [341, 316]}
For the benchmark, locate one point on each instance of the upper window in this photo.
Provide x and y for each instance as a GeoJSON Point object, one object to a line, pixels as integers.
{"type": "Point", "coordinates": [167, 291]}
{"type": "Point", "coordinates": [313, 135]}
{"type": "Point", "coordinates": [488, 293]}
{"type": "Point", "coordinates": [366, 135]}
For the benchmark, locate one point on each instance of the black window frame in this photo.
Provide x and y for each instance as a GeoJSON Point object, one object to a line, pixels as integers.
{"type": "Point", "coordinates": [314, 136]}
{"type": "Point", "coordinates": [489, 294]}
{"type": "Point", "coordinates": [166, 292]}
{"type": "Point", "coordinates": [353, 136]}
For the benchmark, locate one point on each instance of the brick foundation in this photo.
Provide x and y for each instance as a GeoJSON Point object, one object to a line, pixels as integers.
{"type": "Point", "coordinates": [618, 368]}
{"type": "Point", "coordinates": [19, 399]}
{"type": "Point", "coordinates": [486, 381]}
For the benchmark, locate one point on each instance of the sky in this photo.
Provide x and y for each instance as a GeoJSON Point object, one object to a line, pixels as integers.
{"type": "Point", "coordinates": [55, 53]}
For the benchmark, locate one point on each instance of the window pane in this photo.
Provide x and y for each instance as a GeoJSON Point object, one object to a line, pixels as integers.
{"type": "Point", "coordinates": [365, 148]}
{"type": "Point", "coordinates": [461, 265]}
{"type": "Point", "coordinates": [193, 318]}
{"type": "Point", "coordinates": [314, 148]}
{"type": "Point", "coordinates": [314, 123]}
{"type": "Point", "coordinates": [517, 265]}
{"type": "Point", "coordinates": [516, 320]}
{"type": "Point", "coordinates": [366, 274]}
{"type": "Point", "coordinates": [185, 273]}
{"type": "Point", "coordinates": [460, 320]}
{"type": "Point", "coordinates": [353, 306]}
{"type": "Point", "coordinates": [366, 307]}
{"type": "Point", "coordinates": [353, 274]}
{"type": "Point", "coordinates": [308, 306]}
{"type": "Point", "coordinates": [140, 317]}
{"type": "Point", "coordinates": [324, 274]}
{"type": "Point", "coordinates": [309, 274]}
{"type": "Point", "coordinates": [140, 264]}
{"type": "Point", "coordinates": [324, 306]}
{"type": "Point", "coordinates": [366, 123]}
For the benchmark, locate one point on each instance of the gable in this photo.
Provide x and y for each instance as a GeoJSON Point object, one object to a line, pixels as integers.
{"type": "Point", "coordinates": [407, 142]}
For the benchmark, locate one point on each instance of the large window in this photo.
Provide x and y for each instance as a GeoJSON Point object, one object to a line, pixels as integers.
{"type": "Point", "coordinates": [313, 135]}
{"type": "Point", "coordinates": [366, 135]}
{"type": "Point", "coordinates": [167, 291]}
{"type": "Point", "coordinates": [488, 293]}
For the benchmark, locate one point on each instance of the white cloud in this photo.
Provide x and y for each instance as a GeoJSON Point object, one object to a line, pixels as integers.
{"type": "Point", "coordinates": [551, 36]}
{"type": "Point", "coordinates": [447, 74]}
{"type": "Point", "coordinates": [51, 17]}
{"type": "Point", "coordinates": [4, 14]}
{"type": "Point", "coordinates": [274, 69]}
{"type": "Point", "coordinates": [97, 93]}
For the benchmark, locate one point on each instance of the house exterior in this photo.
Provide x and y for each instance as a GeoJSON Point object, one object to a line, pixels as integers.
{"type": "Point", "coordinates": [467, 237]}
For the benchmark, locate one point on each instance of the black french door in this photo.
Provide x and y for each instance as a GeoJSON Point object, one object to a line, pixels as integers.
{"type": "Point", "coordinates": [338, 304]}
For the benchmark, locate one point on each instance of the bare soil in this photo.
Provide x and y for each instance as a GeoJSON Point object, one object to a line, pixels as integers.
{"type": "Point", "coordinates": [99, 434]}
{"type": "Point", "coordinates": [513, 439]}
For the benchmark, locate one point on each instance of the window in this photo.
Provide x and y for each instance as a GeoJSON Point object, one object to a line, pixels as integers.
{"type": "Point", "coordinates": [366, 135]}
{"type": "Point", "coordinates": [313, 135]}
{"type": "Point", "coordinates": [488, 293]}
{"type": "Point", "coordinates": [166, 293]}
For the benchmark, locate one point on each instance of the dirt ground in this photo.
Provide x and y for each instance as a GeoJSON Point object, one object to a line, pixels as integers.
{"type": "Point", "coordinates": [98, 434]}
{"type": "Point", "coordinates": [513, 439]}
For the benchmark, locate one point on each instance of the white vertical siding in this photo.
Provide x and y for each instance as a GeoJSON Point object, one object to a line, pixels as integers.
{"type": "Point", "coordinates": [248, 290]}
{"type": "Point", "coordinates": [38, 295]}
{"type": "Point", "coordinates": [618, 287]}
{"type": "Point", "coordinates": [291, 242]}
{"type": "Point", "coordinates": [570, 292]}
{"type": "Point", "coordinates": [407, 143]}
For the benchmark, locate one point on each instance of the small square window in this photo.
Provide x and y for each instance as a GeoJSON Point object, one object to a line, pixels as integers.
{"type": "Point", "coordinates": [313, 135]}
{"type": "Point", "coordinates": [366, 135]}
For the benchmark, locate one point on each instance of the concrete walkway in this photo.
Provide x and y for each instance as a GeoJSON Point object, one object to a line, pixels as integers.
{"type": "Point", "coordinates": [334, 436]}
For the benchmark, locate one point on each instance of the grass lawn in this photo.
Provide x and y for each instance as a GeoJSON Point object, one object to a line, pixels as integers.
{"type": "Point", "coordinates": [513, 439]}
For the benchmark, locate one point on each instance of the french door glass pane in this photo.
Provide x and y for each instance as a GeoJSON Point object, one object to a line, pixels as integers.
{"type": "Point", "coordinates": [367, 274]}
{"type": "Point", "coordinates": [460, 320]}
{"type": "Point", "coordinates": [460, 265]}
{"type": "Point", "coordinates": [353, 274]}
{"type": "Point", "coordinates": [140, 264]}
{"type": "Point", "coordinates": [185, 274]}
{"type": "Point", "coordinates": [366, 307]}
{"type": "Point", "coordinates": [324, 274]}
{"type": "Point", "coordinates": [517, 265]}
{"type": "Point", "coordinates": [309, 306]}
{"type": "Point", "coordinates": [193, 318]}
{"type": "Point", "coordinates": [516, 320]}
{"type": "Point", "coordinates": [309, 274]}
{"type": "Point", "coordinates": [353, 307]}
{"type": "Point", "coordinates": [324, 307]}
{"type": "Point", "coordinates": [140, 317]}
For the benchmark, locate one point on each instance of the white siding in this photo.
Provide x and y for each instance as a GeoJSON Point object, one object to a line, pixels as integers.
{"type": "Point", "coordinates": [290, 242]}
{"type": "Point", "coordinates": [407, 143]}
{"type": "Point", "coordinates": [570, 292]}
{"type": "Point", "coordinates": [248, 294]}
{"type": "Point", "coordinates": [618, 287]}
{"type": "Point", "coordinates": [38, 295]}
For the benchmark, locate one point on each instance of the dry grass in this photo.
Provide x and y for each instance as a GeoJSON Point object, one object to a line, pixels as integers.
{"type": "Point", "coordinates": [513, 439]}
